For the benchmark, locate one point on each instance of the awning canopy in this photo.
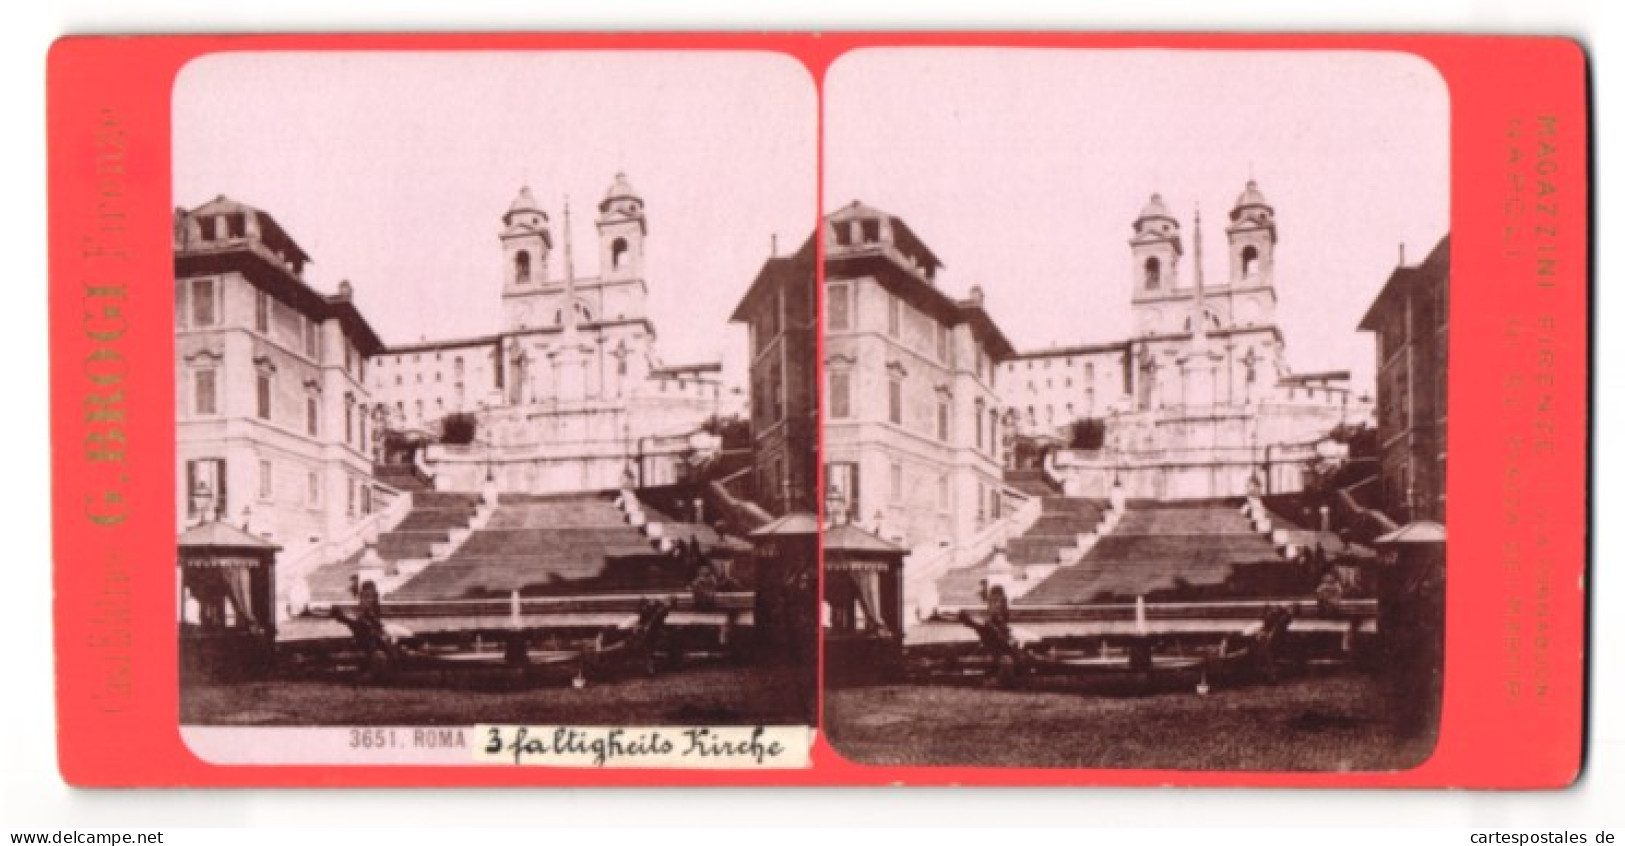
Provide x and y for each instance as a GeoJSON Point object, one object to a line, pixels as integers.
{"type": "Point", "coordinates": [1419, 532]}
{"type": "Point", "coordinates": [794, 524]}
{"type": "Point", "coordinates": [221, 536]}
{"type": "Point", "coordinates": [850, 540]}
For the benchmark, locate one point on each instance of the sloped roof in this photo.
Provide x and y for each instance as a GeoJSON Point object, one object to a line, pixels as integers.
{"type": "Point", "coordinates": [221, 535]}
{"type": "Point", "coordinates": [847, 538]}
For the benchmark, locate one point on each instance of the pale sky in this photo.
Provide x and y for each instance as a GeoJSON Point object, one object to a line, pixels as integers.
{"type": "Point", "coordinates": [1024, 170]}
{"type": "Point", "coordinates": [393, 170]}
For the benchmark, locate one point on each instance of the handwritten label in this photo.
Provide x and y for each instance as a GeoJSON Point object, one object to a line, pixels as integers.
{"type": "Point", "coordinates": [665, 747]}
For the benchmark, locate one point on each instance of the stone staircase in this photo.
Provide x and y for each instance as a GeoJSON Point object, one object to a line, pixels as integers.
{"type": "Point", "coordinates": [1174, 551]}
{"type": "Point", "coordinates": [435, 523]}
{"type": "Point", "coordinates": [401, 477]}
{"type": "Point", "coordinates": [560, 545]}
{"type": "Point", "coordinates": [1031, 482]}
{"type": "Point", "coordinates": [1051, 542]}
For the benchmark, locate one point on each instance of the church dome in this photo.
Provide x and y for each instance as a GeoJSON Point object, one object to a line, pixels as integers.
{"type": "Point", "coordinates": [1251, 196]}
{"type": "Point", "coordinates": [620, 189]}
{"type": "Point", "coordinates": [1155, 207]}
{"type": "Point", "coordinates": [523, 211]}
{"type": "Point", "coordinates": [524, 202]}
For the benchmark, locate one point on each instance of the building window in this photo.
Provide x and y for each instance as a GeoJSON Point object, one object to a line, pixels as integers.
{"type": "Point", "coordinates": [840, 394]}
{"type": "Point", "coordinates": [840, 307]}
{"type": "Point", "coordinates": [992, 431]}
{"type": "Point", "coordinates": [894, 316]}
{"type": "Point", "coordinates": [236, 225]}
{"type": "Point", "coordinates": [203, 310]}
{"type": "Point", "coordinates": [896, 492]}
{"type": "Point", "coordinates": [617, 253]}
{"type": "Point", "coordinates": [942, 419]}
{"type": "Point", "coordinates": [1249, 261]}
{"type": "Point", "coordinates": [265, 479]}
{"type": "Point", "coordinates": [871, 231]}
{"type": "Point", "coordinates": [981, 427]}
{"type": "Point", "coordinates": [418, 406]}
{"type": "Point", "coordinates": [521, 267]}
{"type": "Point", "coordinates": [351, 498]}
{"type": "Point", "coordinates": [349, 419]}
{"type": "Point", "coordinates": [841, 480]}
{"type": "Point", "coordinates": [262, 312]}
{"type": "Point", "coordinates": [313, 489]}
{"type": "Point", "coordinates": [206, 476]}
{"type": "Point", "coordinates": [774, 314]}
{"type": "Point", "coordinates": [894, 401]}
{"type": "Point", "coordinates": [775, 391]}
{"type": "Point", "coordinates": [1153, 273]}
{"type": "Point", "coordinates": [312, 417]}
{"type": "Point", "coordinates": [204, 400]}
{"type": "Point", "coordinates": [262, 395]}
{"type": "Point", "coordinates": [313, 340]}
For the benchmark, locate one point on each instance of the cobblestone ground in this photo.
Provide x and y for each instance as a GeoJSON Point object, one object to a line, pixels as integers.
{"type": "Point", "coordinates": [1335, 723]}
{"type": "Point", "coordinates": [712, 695]}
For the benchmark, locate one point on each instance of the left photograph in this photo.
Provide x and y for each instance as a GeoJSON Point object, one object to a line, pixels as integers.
{"type": "Point", "coordinates": [495, 401]}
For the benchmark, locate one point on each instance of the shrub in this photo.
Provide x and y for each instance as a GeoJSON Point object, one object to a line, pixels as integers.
{"type": "Point", "coordinates": [459, 429]}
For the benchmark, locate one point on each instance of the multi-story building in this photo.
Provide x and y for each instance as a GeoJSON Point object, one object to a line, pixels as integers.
{"type": "Point", "coordinates": [781, 313]}
{"type": "Point", "coordinates": [417, 385]}
{"type": "Point", "coordinates": [1411, 320]}
{"type": "Point", "coordinates": [1047, 390]}
{"type": "Point", "coordinates": [271, 385]}
{"type": "Point", "coordinates": [912, 428]}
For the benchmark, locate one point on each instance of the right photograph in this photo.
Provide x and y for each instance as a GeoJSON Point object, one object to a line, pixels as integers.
{"type": "Point", "coordinates": [1135, 401]}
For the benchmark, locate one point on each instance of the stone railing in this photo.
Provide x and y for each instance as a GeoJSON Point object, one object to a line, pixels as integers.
{"type": "Point", "coordinates": [925, 565]}
{"type": "Point", "coordinates": [354, 537]}
{"type": "Point", "coordinates": [422, 469]}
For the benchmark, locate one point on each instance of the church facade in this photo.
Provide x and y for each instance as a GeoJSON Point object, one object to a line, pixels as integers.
{"type": "Point", "coordinates": [1199, 401]}
{"type": "Point", "coordinates": [570, 394]}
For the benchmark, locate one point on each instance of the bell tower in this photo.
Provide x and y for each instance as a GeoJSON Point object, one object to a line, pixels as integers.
{"type": "Point", "coordinates": [1252, 236]}
{"type": "Point", "coordinates": [1156, 249]}
{"type": "Point", "coordinates": [621, 230]}
{"type": "Point", "coordinates": [527, 239]}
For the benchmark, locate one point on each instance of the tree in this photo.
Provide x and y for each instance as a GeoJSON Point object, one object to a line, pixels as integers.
{"type": "Point", "coordinates": [733, 430]}
{"type": "Point", "coordinates": [459, 429]}
{"type": "Point", "coordinates": [1087, 433]}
